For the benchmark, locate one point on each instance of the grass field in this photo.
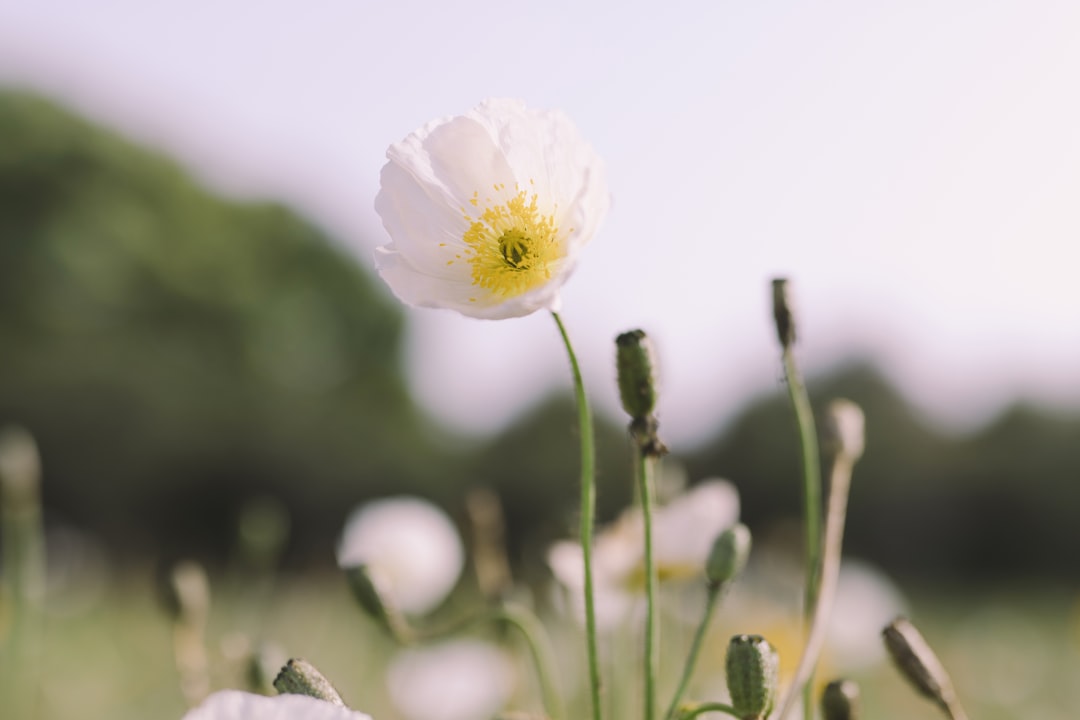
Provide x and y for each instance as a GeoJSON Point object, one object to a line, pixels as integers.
{"type": "Point", "coordinates": [1013, 652]}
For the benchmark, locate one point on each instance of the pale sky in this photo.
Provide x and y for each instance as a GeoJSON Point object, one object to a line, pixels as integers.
{"type": "Point", "coordinates": [914, 166]}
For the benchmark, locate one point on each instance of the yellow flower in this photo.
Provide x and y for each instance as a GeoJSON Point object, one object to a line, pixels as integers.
{"type": "Point", "coordinates": [488, 211]}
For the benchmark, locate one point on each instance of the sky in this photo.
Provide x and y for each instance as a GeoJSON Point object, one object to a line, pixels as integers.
{"type": "Point", "coordinates": [913, 166]}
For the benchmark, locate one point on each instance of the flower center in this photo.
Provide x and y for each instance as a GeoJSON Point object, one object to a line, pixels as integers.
{"type": "Point", "coordinates": [514, 247]}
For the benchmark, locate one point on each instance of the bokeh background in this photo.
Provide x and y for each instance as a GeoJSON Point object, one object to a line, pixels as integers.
{"type": "Point", "coordinates": [190, 321]}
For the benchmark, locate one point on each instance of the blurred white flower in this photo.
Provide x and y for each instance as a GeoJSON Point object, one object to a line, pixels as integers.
{"type": "Point", "coordinates": [237, 705]}
{"type": "Point", "coordinates": [488, 211]}
{"type": "Point", "coordinates": [683, 534]}
{"type": "Point", "coordinates": [866, 601]}
{"type": "Point", "coordinates": [409, 545]}
{"type": "Point", "coordinates": [457, 680]}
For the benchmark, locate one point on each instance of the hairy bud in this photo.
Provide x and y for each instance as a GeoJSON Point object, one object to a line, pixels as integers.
{"type": "Point", "coordinates": [729, 554]}
{"type": "Point", "coordinates": [299, 677]}
{"type": "Point", "coordinates": [753, 669]}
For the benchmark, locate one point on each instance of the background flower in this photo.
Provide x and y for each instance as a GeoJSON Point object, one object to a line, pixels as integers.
{"type": "Point", "coordinates": [457, 680]}
{"type": "Point", "coordinates": [683, 534]}
{"type": "Point", "coordinates": [487, 211]}
{"type": "Point", "coordinates": [410, 544]}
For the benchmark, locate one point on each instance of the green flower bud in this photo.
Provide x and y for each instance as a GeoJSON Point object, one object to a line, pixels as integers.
{"type": "Point", "coordinates": [917, 662]}
{"type": "Point", "coordinates": [840, 700]}
{"type": "Point", "coordinates": [782, 312]}
{"type": "Point", "coordinates": [364, 584]}
{"type": "Point", "coordinates": [845, 429]}
{"type": "Point", "coordinates": [728, 556]}
{"type": "Point", "coordinates": [637, 383]}
{"type": "Point", "coordinates": [753, 670]}
{"type": "Point", "coordinates": [299, 677]}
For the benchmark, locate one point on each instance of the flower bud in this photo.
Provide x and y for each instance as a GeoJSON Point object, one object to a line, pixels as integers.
{"type": "Point", "coordinates": [783, 313]}
{"type": "Point", "coordinates": [186, 593]}
{"type": "Point", "coordinates": [917, 662]}
{"type": "Point", "coordinates": [753, 669]}
{"type": "Point", "coordinates": [728, 556]}
{"type": "Point", "coordinates": [635, 366]}
{"type": "Point", "coordinates": [365, 586]}
{"type": "Point", "coordinates": [299, 677]}
{"type": "Point", "coordinates": [20, 470]}
{"type": "Point", "coordinates": [845, 429]}
{"type": "Point", "coordinates": [840, 700]}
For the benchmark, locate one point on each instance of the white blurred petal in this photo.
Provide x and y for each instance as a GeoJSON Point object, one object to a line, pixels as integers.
{"type": "Point", "coordinates": [683, 534]}
{"type": "Point", "coordinates": [458, 680]}
{"type": "Point", "coordinates": [411, 544]}
{"type": "Point", "coordinates": [237, 705]}
{"type": "Point", "coordinates": [866, 601]}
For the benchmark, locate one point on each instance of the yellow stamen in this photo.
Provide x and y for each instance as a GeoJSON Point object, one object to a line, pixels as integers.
{"type": "Point", "coordinates": [515, 247]}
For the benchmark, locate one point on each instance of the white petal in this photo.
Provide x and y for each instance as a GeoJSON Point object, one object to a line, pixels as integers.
{"type": "Point", "coordinates": [411, 543]}
{"type": "Point", "coordinates": [686, 528]}
{"type": "Point", "coordinates": [420, 289]}
{"type": "Point", "coordinates": [457, 680]}
{"type": "Point", "coordinates": [546, 147]}
{"type": "Point", "coordinates": [487, 156]}
{"type": "Point", "coordinates": [426, 224]}
{"type": "Point", "coordinates": [458, 155]}
{"type": "Point", "coordinates": [237, 705]}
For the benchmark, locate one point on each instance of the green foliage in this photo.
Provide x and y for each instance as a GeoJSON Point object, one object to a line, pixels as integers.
{"type": "Point", "coordinates": [997, 501]}
{"type": "Point", "coordinates": [161, 342]}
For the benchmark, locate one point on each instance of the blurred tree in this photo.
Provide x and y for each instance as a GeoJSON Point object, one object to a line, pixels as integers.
{"type": "Point", "coordinates": [1000, 500]}
{"type": "Point", "coordinates": [175, 352]}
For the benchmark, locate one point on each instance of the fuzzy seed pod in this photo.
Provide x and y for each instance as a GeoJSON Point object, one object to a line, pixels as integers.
{"type": "Point", "coordinates": [753, 670]}
{"type": "Point", "coordinates": [728, 555]}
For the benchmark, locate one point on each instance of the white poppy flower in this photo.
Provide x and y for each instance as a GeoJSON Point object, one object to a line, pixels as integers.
{"type": "Point", "coordinates": [683, 535]}
{"type": "Point", "coordinates": [488, 211]}
{"type": "Point", "coordinates": [410, 545]}
{"type": "Point", "coordinates": [457, 680]}
{"type": "Point", "coordinates": [237, 705]}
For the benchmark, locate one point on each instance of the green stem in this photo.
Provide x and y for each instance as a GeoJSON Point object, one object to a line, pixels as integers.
{"type": "Point", "coordinates": [543, 657]}
{"type": "Point", "coordinates": [695, 649]}
{"type": "Point", "coordinates": [708, 707]}
{"type": "Point", "coordinates": [588, 511]}
{"type": "Point", "coordinates": [839, 486]}
{"type": "Point", "coordinates": [645, 467]}
{"type": "Point", "coordinates": [811, 495]}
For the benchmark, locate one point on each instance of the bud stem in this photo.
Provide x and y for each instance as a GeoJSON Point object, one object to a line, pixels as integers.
{"type": "Point", "coordinates": [645, 466]}
{"type": "Point", "coordinates": [588, 511]}
{"type": "Point", "coordinates": [811, 463]}
{"type": "Point", "coordinates": [703, 708]}
{"type": "Point", "coordinates": [839, 485]}
{"type": "Point", "coordinates": [695, 649]}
